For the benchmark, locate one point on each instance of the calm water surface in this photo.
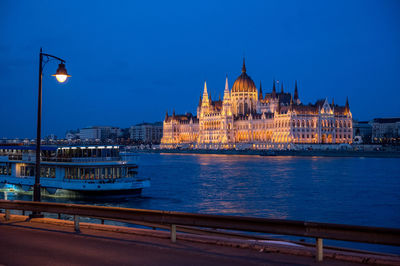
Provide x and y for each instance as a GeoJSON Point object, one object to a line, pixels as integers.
{"type": "Point", "coordinates": [361, 191]}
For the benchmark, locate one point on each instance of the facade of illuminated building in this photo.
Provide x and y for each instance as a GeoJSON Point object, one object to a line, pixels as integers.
{"type": "Point", "coordinates": [247, 118]}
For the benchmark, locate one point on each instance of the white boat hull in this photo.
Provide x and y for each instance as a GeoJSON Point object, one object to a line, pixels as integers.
{"type": "Point", "coordinates": [90, 186]}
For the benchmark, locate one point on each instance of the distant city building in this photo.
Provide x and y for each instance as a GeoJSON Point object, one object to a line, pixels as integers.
{"type": "Point", "coordinates": [363, 129]}
{"type": "Point", "coordinates": [9, 141]}
{"type": "Point", "coordinates": [147, 132]}
{"type": "Point", "coordinates": [125, 133]}
{"type": "Point", "coordinates": [386, 130]}
{"type": "Point", "coordinates": [249, 118]}
{"type": "Point", "coordinates": [51, 137]}
{"type": "Point", "coordinates": [99, 133]}
{"type": "Point", "coordinates": [89, 133]}
{"type": "Point", "coordinates": [72, 135]}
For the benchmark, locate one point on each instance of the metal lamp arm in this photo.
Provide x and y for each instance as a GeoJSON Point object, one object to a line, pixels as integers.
{"type": "Point", "coordinates": [52, 56]}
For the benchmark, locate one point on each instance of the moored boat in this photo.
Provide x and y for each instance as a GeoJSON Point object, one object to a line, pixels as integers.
{"type": "Point", "coordinates": [71, 170]}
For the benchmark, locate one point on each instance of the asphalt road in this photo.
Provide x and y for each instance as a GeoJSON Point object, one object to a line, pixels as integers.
{"type": "Point", "coordinates": [30, 243]}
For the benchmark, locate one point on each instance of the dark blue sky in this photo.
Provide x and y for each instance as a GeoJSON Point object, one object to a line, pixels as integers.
{"type": "Point", "coordinates": [132, 61]}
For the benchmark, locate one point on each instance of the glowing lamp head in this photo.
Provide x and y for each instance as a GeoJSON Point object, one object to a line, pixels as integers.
{"type": "Point", "coordinates": [61, 74]}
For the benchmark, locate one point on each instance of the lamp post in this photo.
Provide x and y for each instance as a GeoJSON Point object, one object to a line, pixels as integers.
{"type": "Point", "coordinates": [61, 76]}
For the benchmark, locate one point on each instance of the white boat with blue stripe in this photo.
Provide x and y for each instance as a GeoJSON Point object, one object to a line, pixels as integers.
{"type": "Point", "coordinates": [71, 170]}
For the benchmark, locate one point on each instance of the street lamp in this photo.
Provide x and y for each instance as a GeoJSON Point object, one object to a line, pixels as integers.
{"type": "Point", "coordinates": [61, 76]}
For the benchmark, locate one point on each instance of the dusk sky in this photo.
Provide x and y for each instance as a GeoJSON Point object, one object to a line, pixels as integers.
{"type": "Point", "coordinates": [131, 61]}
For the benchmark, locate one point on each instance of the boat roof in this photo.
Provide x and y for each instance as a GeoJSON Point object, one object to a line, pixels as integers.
{"type": "Point", "coordinates": [54, 148]}
{"type": "Point", "coordinates": [90, 147]}
{"type": "Point", "coordinates": [44, 148]}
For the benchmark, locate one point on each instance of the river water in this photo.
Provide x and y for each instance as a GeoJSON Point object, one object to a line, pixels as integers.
{"type": "Point", "coordinates": [358, 191]}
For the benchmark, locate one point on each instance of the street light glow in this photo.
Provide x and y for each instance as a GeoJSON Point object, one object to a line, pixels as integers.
{"type": "Point", "coordinates": [61, 78]}
{"type": "Point", "coordinates": [61, 74]}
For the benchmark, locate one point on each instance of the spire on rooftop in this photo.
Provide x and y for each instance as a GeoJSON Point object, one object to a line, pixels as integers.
{"type": "Point", "coordinates": [206, 98]}
{"type": "Point", "coordinates": [347, 106]}
{"type": "Point", "coordinates": [291, 103]}
{"type": "Point", "coordinates": [273, 90]}
{"type": "Point", "coordinates": [260, 93]}
{"type": "Point", "coordinates": [296, 92]}
{"type": "Point", "coordinates": [226, 91]}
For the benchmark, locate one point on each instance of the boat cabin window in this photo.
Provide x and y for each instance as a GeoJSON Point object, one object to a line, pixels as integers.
{"type": "Point", "coordinates": [48, 154]}
{"type": "Point", "coordinates": [88, 152]}
{"type": "Point", "coordinates": [98, 172]}
{"type": "Point", "coordinates": [30, 170]}
{"type": "Point", "coordinates": [5, 169]}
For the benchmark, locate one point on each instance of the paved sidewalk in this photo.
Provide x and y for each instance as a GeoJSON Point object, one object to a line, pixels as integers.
{"type": "Point", "coordinates": [38, 243]}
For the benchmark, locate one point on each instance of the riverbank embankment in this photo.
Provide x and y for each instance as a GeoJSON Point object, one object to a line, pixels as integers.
{"type": "Point", "coordinates": [309, 153]}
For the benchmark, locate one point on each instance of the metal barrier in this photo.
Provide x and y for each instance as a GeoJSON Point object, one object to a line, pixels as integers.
{"type": "Point", "coordinates": [319, 231]}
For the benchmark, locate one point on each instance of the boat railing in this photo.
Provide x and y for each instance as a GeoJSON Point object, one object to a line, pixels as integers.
{"type": "Point", "coordinates": [92, 180]}
{"type": "Point", "coordinates": [32, 158]}
{"type": "Point", "coordinates": [55, 159]}
{"type": "Point", "coordinates": [63, 159]}
{"type": "Point", "coordinates": [15, 157]}
{"type": "Point", "coordinates": [106, 180]}
{"type": "Point", "coordinates": [95, 159]}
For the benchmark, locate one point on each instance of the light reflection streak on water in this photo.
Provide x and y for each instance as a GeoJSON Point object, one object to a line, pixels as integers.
{"type": "Point", "coordinates": [362, 191]}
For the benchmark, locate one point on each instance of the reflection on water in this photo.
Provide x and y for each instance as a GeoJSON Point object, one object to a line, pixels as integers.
{"type": "Point", "coordinates": [341, 190]}
{"type": "Point", "coordinates": [364, 191]}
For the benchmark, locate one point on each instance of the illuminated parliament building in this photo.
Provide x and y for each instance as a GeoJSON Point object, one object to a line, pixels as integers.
{"type": "Point", "coordinates": [247, 118]}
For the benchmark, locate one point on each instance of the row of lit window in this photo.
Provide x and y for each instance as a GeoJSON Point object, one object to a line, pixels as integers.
{"type": "Point", "coordinates": [312, 136]}
{"type": "Point", "coordinates": [309, 124]}
{"type": "Point", "coordinates": [211, 125]}
{"type": "Point", "coordinates": [97, 173]}
{"type": "Point", "coordinates": [212, 114]}
{"type": "Point", "coordinates": [213, 137]}
{"type": "Point", "coordinates": [48, 172]}
{"type": "Point", "coordinates": [312, 123]}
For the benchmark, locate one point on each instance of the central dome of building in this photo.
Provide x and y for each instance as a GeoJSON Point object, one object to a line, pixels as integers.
{"type": "Point", "coordinates": [244, 83]}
